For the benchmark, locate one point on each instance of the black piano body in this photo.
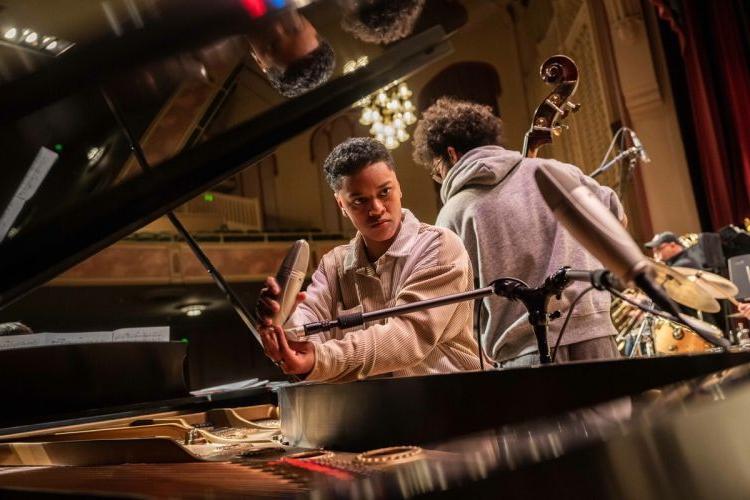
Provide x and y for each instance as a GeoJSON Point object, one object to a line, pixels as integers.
{"type": "Point", "coordinates": [526, 432]}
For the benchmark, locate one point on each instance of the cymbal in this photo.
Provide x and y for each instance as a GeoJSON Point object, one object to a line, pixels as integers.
{"type": "Point", "coordinates": [682, 290]}
{"type": "Point", "coordinates": [717, 286]}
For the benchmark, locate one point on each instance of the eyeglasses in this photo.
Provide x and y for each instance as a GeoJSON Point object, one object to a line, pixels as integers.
{"type": "Point", "coordinates": [436, 170]}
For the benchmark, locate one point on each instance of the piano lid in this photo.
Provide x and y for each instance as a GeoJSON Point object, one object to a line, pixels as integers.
{"type": "Point", "coordinates": [207, 88]}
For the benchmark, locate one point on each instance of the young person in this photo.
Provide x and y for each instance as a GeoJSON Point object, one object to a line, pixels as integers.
{"type": "Point", "coordinates": [394, 259]}
{"type": "Point", "coordinates": [492, 202]}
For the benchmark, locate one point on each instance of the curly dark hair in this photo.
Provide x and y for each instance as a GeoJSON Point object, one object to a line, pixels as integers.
{"type": "Point", "coordinates": [450, 122]}
{"type": "Point", "coordinates": [353, 155]}
{"type": "Point", "coordinates": [305, 73]}
{"type": "Point", "coordinates": [382, 21]}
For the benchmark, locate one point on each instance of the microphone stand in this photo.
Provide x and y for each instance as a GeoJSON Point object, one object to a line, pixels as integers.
{"type": "Point", "coordinates": [630, 152]}
{"type": "Point", "coordinates": [536, 301]}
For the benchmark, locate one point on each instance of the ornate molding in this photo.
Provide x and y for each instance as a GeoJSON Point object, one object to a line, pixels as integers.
{"type": "Point", "coordinates": [629, 30]}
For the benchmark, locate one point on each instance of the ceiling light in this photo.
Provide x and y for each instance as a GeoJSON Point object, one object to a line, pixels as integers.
{"type": "Point", "coordinates": [94, 154]}
{"type": "Point", "coordinates": [349, 66]}
{"type": "Point", "coordinates": [29, 39]}
{"type": "Point", "coordinates": [355, 64]}
{"type": "Point", "coordinates": [193, 310]}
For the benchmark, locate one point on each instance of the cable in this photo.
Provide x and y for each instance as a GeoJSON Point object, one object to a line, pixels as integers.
{"type": "Point", "coordinates": [612, 145]}
{"type": "Point", "coordinates": [567, 318]}
{"type": "Point", "coordinates": [651, 310]}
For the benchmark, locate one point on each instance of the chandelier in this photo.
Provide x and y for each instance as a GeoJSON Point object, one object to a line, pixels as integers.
{"type": "Point", "coordinates": [388, 112]}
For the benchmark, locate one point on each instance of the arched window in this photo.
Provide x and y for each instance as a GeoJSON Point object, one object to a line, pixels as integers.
{"type": "Point", "coordinates": [468, 80]}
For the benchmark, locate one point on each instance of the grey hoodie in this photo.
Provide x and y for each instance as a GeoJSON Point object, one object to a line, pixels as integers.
{"type": "Point", "coordinates": [492, 202]}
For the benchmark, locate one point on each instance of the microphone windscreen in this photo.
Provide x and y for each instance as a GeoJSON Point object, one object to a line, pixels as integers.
{"type": "Point", "coordinates": [290, 277]}
{"type": "Point", "coordinates": [590, 222]}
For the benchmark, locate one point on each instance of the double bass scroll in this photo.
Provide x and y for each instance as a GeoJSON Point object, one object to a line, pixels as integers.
{"type": "Point", "coordinates": [562, 72]}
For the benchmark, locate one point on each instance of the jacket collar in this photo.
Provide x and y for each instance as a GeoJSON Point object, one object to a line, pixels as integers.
{"type": "Point", "coordinates": [356, 257]}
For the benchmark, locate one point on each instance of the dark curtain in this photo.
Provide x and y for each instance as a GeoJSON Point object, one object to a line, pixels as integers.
{"type": "Point", "coordinates": [713, 37]}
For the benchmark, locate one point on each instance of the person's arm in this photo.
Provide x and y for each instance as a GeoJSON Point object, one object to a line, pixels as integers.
{"type": "Point", "coordinates": [744, 309]}
{"type": "Point", "coordinates": [407, 340]}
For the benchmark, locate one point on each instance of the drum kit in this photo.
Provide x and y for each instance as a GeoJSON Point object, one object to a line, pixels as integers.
{"type": "Point", "coordinates": [642, 333]}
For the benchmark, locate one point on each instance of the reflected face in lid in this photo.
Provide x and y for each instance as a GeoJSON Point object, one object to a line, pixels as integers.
{"type": "Point", "coordinates": [286, 38]}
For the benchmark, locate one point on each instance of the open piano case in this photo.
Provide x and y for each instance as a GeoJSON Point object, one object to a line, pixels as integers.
{"type": "Point", "coordinates": [117, 419]}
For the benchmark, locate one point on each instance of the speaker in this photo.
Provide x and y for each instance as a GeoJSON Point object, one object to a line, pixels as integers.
{"type": "Point", "coordinates": [708, 252]}
{"type": "Point", "coordinates": [735, 240]}
{"type": "Point", "coordinates": [739, 273]}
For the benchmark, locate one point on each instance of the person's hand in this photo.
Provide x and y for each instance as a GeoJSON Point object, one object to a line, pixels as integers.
{"type": "Point", "coordinates": [744, 309]}
{"type": "Point", "coordinates": [294, 358]}
{"type": "Point", "coordinates": [268, 301]}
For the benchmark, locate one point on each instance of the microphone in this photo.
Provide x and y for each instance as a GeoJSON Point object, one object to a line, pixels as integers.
{"type": "Point", "coordinates": [642, 155]}
{"type": "Point", "coordinates": [598, 230]}
{"type": "Point", "coordinates": [590, 222]}
{"type": "Point", "coordinates": [290, 276]}
{"type": "Point", "coordinates": [601, 279]}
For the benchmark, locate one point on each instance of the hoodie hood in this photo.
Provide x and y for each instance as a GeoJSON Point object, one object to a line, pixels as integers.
{"type": "Point", "coordinates": [483, 166]}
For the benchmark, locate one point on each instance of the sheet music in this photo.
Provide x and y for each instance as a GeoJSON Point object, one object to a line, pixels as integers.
{"type": "Point", "coordinates": [36, 173]}
{"type": "Point", "coordinates": [142, 334]}
{"type": "Point", "coordinates": [34, 177]}
{"type": "Point", "coordinates": [11, 213]}
{"type": "Point", "coordinates": [54, 338]}
{"type": "Point", "coordinates": [138, 334]}
{"type": "Point", "coordinates": [21, 341]}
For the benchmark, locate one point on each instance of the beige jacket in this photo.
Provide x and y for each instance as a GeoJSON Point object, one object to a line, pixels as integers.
{"type": "Point", "coordinates": [423, 262]}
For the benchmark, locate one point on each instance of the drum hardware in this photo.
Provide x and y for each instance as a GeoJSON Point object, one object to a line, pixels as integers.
{"type": "Point", "coordinates": [673, 338]}
{"type": "Point", "coordinates": [645, 334]}
{"type": "Point", "coordinates": [742, 335]}
{"type": "Point", "coordinates": [625, 316]}
{"type": "Point", "coordinates": [643, 342]}
{"type": "Point", "coordinates": [626, 340]}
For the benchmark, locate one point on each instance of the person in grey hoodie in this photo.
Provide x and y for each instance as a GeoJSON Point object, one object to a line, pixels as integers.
{"type": "Point", "coordinates": [490, 199]}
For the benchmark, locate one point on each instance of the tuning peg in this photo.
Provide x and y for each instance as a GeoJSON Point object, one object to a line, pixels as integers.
{"type": "Point", "coordinates": [572, 106]}
{"type": "Point", "coordinates": [559, 128]}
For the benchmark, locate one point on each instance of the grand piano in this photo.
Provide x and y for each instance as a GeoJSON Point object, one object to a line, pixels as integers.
{"type": "Point", "coordinates": [139, 108]}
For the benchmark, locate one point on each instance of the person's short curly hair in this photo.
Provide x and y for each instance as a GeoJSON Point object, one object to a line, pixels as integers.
{"type": "Point", "coordinates": [382, 21]}
{"type": "Point", "coordinates": [353, 155]}
{"type": "Point", "coordinates": [305, 73]}
{"type": "Point", "coordinates": [450, 122]}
